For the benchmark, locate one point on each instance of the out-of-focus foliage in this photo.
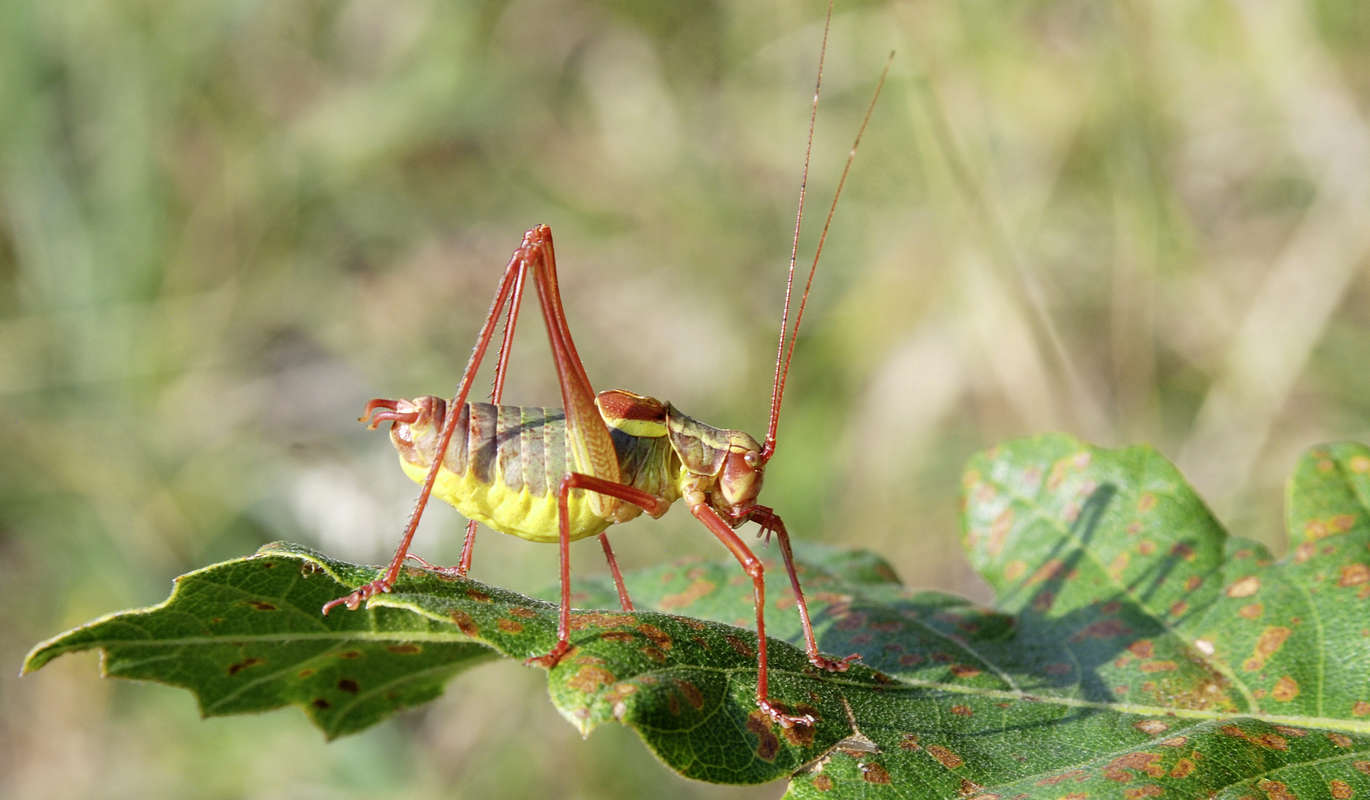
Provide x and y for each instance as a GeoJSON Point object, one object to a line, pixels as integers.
{"type": "Point", "coordinates": [225, 226]}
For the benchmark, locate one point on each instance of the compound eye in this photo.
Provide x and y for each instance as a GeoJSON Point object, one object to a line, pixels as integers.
{"type": "Point", "coordinates": [753, 459]}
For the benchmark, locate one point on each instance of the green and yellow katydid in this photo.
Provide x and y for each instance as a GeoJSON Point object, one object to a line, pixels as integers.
{"type": "Point", "coordinates": [557, 475]}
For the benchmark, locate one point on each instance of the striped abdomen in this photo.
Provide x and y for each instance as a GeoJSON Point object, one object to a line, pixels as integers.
{"type": "Point", "coordinates": [505, 463]}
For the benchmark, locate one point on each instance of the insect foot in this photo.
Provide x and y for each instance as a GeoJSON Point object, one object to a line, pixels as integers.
{"type": "Point", "coordinates": [445, 572]}
{"type": "Point", "coordinates": [360, 595]}
{"type": "Point", "coordinates": [551, 659]}
{"type": "Point", "coordinates": [833, 664]}
{"type": "Point", "coordinates": [781, 718]}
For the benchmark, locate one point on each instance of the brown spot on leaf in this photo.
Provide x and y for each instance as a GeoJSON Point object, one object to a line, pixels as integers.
{"type": "Point", "coordinates": [320, 703]}
{"type": "Point", "coordinates": [304, 673]}
{"type": "Point", "coordinates": [964, 671]}
{"type": "Point", "coordinates": [1146, 502]}
{"type": "Point", "coordinates": [767, 745]}
{"type": "Point", "coordinates": [408, 649]}
{"type": "Point", "coordinates": [1120, 769]}
{"type": "Point", "coordinates": [1286, 689]}
{"type": "Point", "coordinates": [1041, 602]}
{"type": "Point", "coordinates": [1178, 607]}
{"type": "Point", "coordinates": [1145, 790]}
{"type": "Point", "coordinates": [1142, 648]}
{"type": "Point", "coordinates": [350, 655]}
{"type": "Point", "coordinates": [691, 693]}
{"type": "Point", "coordinates": [1151, 727]}
{"type": "Point", "coordinates": [1182, 768]}
{"type": "Point", "coordinates": [945, 756]}
{"type": "Point", "coordinates": [1269, 643]}
{"type": "Point", "coordinates": [1251, 611]}
{"type": "Point", "coordinates": [509, 625]}
{"type": "Point", "coordinates": [657, 636]}
{"type": "Point", "coordinates": [740, 646]}
{"type": "Point", "coordinates": [1103, 629]}
{"type": "Point", "coordinates": [1353, 574]}
{"type": "Point", "coordinates": [874, 773]}
{"type": "Point", "coordinates": [234, 669]}
{"type": "Point", "coordinates": [909, 742]}
{"type": "Point", "coordinates": [699, 588]}
{"type": "Point", "coordinates": [600, 619]}
{"type": "Point", "coordinates": [1182, 550]}
{"type": "Point", "coordinates": [1175, 741]}
{"type": "Point", "coordinates": [1048, 571]}
{"type": "Point", "coordinates": [1159, 666]}
{"type": "Point", "coordinates": [348, 685]}
{"type": "Point", "coordinates": [1342, 740]}
{"type": "Point", "coordinates": [261, 605]}
{"type": "Point", "coordinates": [523, 613]}
{"type": "Point", "coordinates": [999, 531]}
{"type": "Point", "coordinates": [1340, 790]}
{"type": "Point", "coordinates": [477, 595]}
{"type": "Point", "coordinates": [822, 783]}
{"type": "Point", "coordinates": [1360, 708]}
{"type": "Point", "coordinates": [1245, 587]}
{"type": "Point", "coordinates": [590, 678]}
{"type": "Point", "coordinates": [1275, 790]}
{"type": "Point", "coordinates": [962, 711]}
{"type": "Point", "coordinates": [801, 735]}
{"type": "Point", "coordinates": [1270, 741]}
{"type": "Point", "coordinates": [1015, 570]}
{"type": "Point", "coordinates": [464, 622]}
{"type": "Point", "coordinates": [1078, 775]}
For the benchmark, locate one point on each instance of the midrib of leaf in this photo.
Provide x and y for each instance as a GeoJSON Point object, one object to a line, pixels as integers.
{"type": "Point", "coordinates": [905, 685]}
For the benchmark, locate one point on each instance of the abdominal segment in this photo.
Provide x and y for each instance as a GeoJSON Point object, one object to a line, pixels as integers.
{"type": "Point", "coordinates": [503, 468]}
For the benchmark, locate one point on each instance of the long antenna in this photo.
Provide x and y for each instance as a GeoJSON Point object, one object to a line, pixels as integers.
{"type": "Point", "coordinates": [783, 353]}
{"type": "Point", "coordinates": [778, 383]}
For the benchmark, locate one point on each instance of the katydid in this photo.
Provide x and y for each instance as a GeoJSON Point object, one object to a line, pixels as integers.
{"type": "Point", "coordinates": [557, 475]}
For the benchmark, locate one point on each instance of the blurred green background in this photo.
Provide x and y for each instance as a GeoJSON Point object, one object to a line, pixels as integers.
{"type": "Point", "coordinates": [225, 226]}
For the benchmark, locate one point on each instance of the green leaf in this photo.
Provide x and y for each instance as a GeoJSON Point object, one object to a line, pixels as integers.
{"type": "Point", "coordinates": [1135, 651]}
{"type": "Point", "coordinates": [247, 635]}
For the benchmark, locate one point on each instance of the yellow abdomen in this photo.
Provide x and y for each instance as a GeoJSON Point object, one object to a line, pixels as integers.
{"type": "Point", "coordinates": [518, 512]}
